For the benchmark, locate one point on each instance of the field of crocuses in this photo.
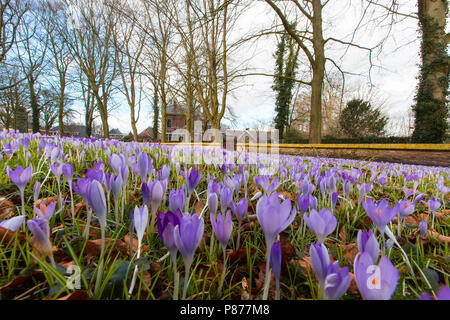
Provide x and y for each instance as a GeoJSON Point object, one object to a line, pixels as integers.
{"type": "Point", "coordinates": [101, 219]}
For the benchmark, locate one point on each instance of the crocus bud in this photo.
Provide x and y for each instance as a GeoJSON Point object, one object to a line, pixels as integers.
{"type": "Point", "coordinates": [222, 227]}
{"type": "Point", "coordinates": [177, 198]}
{"type": "Point", "coordinates": [368, 243]}
{"type": "Point", "coordinates": [303, 202]}
{"type": "Point", "coordinates": [41, 231]}
{"type": "Point", "coordinates": [116, 186]}
{"type": "Point", "coordinates": [67, 170]}
{"type": "Point", "coordinates": [423, 227]}
{"type": "Point", "coordinates": [320, 261]}
{"type": "Point", "coordinates": [275, 259]}
{"type": "Point", "coordinates": [188, 235]}
{"type": "Point", "coordinates": [140, 219]}
{"type": "Point", "coordinates": [166, 224]}
{"type": "Point", "coordinates": [334, 198]}
{"type": "Point", "coordinates": [142, 164]}
{"type": "Point", "coordinates": [212, 203]}
{"type": "Point", "coordinates": [36, 190]}
{"type": "Point", "coordinates": [241, 209]}
{"type": "Point", "coordinates": [97, 201]}
{"type": "Point", "coordinates": [156, 194]}
{"type": "Point", "coordinates": [226, 196]}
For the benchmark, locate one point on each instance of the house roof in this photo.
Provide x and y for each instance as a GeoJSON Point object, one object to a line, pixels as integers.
{"type": "Point", "coordinates": [175, 110]}
{"type": "Point", "coordinates": [115, 131]}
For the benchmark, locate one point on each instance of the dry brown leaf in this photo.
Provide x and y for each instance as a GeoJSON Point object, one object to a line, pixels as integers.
{"type": "Point", "coordinates": [353, 288]}
{"type": "Point", "coordinates": [7, 209]}
{"type": "Point", "coordinates": [7, 237]}
{"type": "Point", "coordinates": [343, 235]}
{"type": "Point", "coordinates": [76, 295]}
{"type": "Point", "coordinates": [114, 247]}
{"type": "Point", "coordinates": [438, 236]}
{"type": "Point", "coordinates": [199, 206]}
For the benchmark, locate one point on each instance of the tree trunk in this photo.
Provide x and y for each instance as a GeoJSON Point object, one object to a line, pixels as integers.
{"type": "Point", "coordinates": [61, 107]}
{"type": "Point", "coordinates": [133, 123]}
{"type": "Point", "coordinates": [315, 124]}
{"type": "Point", "coordinates": [34, 108]}
{"type": "Point", "coordinates": [431, 110]}
{"type": "Point", "coordinates": [155, 114]}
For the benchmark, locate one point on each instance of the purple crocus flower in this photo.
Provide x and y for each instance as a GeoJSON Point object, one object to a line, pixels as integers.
{"type": "Point", "coordinates": [67, 170]}
{"type": "Point", "coordinates": [406, 208]}
{"type": "Point", "coordinates": [140, 219]}
{"type": "Point", "coordinates": [95, 174]}
{"type": "Point", "coordinates": [97, 201]}
{"type": "Point", "coordinates": [275, 259]}
{"type": "Point", "coordinates": [188, 235]}
{"type": "Point", "coordinates": [20, 177]}
{"type": "Point", "coordinates": [442, 294]}
{"type": "Point", "coordinates": [375, 282]}
{"type": "Point", "coordinates": [57, 169]}
{"type": "Point", "coordinates": [423, 227]}
{"type": "Point", "coordinates": [368, 243]}
{"type": "Point", "coordinates": [177, 198]}
{"type": "Point", "coordinates": [274, 216]}
{"type": "Point", "coordinates": [41, 231]}
{"type": "Point", "coordinates": [13, 223]}
{"type": "Point", "coordinates": [336, 282]}
{"type": "Point", "coordinates": [380, 213]}
{"type": "Point", "coordinates": [142, 164]}
{"type": "Point", "coordinates": [334, 198]}
{"type": "Point", "coordinates": [226, 197]}
{"type": "Point", "coordinates": [303, 202]}
{"type": "Point", "coordinates": [82, 187]}
{"type": "Point", "coordinates": [36, 191]}
{"type": "Point", "coordinates": [212, 204]}
{"type": "Point", "coordinates": [433, 204]}
{"type": "Point", "coordinates": [46, 212]}
{"type": "Point", "coordinates": [166, 224]}
{"type": "Point", "coordinates": [320, 261]}
{"type": "Point", "coordinates": [193, 179]}
{"type": "Point", "coordinates": [313, 203]}
{"type": "Point", "coordinates": [322, 223]}
{"type": "Point", "coordinates": [240, 209]}
{"type": "Point", "coordinates": [222, 227]}
{"type": "Point", "coordinates": [116, 162]}
{"type": "Point", "coordinates": [266, 184]}
{"type": "Point", "coordinates": [408, 192]}
{"type": "Point", "coordinates": [114, 184]}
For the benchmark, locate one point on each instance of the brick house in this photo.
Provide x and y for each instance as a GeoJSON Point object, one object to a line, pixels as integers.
{"type": "Point", "coordinates": [176, 119]}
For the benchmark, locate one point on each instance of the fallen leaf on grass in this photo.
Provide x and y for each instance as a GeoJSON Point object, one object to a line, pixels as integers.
{"type": "Point", "coordinates": [76, 295]}
{"type": "Point", "coordinates": [7, 209]}
{"type": "Point", "coordinates": [113, 247]}
{"type": "Point", "coordinates": [199, 206]}
{"type": "Point", "coordinates": [7, 237]}
{"type": "Point", "coordinates": [239, 254]}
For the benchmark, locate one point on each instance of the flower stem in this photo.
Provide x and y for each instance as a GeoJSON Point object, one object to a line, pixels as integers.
{"type": "Point", "coordinates": [100, 267]}
{"type": "Point", "coordinates": [176, 277]}
{"type": "Point", "coordinates": [186, 278]}
{"type": "Point", "coordinates": [267, 279]}
{"type": "Point", "coordinates": [133, 281]}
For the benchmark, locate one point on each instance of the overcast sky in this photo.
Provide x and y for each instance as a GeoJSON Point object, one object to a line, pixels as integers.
{"type": "Point", "coordinates": [394, 74]}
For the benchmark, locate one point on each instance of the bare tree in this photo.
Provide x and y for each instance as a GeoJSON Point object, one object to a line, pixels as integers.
{"type": "Point", "coordinates": [54, 21]}
{"type": "Point", "coordinates": [31, 52]}
{"type": "Point", "coordinates": [12, 12]}
{"type": "Point", "coordinates": [90, 41]}
{"type": "Point", "coordinates": [129, 42]}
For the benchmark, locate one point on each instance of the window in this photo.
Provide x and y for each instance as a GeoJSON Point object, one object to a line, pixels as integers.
{"type": "Point", "coordinates": [169, 123]}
